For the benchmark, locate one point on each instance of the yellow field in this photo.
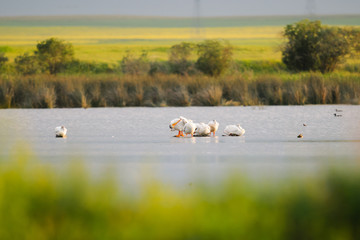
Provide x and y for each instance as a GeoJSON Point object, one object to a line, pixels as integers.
{"type": "Point", "coordinates": [107, 38]}
{"type": "Point", "coordinates": [108, 44]}
{"type": "Point", "coordinates": [91, 35]}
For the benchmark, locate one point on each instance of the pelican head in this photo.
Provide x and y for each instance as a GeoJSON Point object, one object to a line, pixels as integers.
{"type": "Point", "coordinates": [178, 124]}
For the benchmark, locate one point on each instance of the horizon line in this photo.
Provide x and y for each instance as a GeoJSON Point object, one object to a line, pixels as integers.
{"type": "Point", "coordinates": [178, 17]}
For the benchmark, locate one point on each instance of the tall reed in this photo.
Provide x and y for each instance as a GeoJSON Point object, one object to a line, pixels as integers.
{"type": "Point", "coordinates": [46, 91]}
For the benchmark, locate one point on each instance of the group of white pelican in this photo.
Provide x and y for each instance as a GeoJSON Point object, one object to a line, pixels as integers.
{"type": "Point", "coordinates": [187, 126]}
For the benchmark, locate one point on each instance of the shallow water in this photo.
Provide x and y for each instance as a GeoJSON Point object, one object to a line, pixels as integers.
{"type": "Point", "coordinates": [132, 138]}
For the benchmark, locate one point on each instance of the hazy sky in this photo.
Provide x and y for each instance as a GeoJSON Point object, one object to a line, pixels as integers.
{"type": "Point", "coordinates": [174, 7]}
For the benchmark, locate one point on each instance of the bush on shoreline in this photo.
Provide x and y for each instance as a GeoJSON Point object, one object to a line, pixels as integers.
{"type": "Point", "coordinates": [311, 46]}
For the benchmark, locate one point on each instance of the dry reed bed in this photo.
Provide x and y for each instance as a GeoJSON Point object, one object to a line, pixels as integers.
{"type": "Point", "coordinates": [45, 91]}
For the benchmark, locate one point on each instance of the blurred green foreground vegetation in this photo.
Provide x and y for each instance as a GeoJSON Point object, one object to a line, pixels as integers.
{"type": "Point", "coordinates": [39, 202]}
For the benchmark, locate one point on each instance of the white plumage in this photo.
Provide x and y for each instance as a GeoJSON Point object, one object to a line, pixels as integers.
{"type": "Point", "coordinates": [214, 125]}
{"type": "Point", "coordinates": [60, 132]}
{"type": "Point", "coordinates": [189, 128]}
{"type": "Point", "coordinates": [234, 130]}
{"type": "Point", "coordinates": [178, 124]}
{"type": "Point", "coordinates": [202, 129]}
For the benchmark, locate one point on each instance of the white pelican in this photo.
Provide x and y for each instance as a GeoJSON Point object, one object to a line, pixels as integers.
{"type": "Point", "coordinates": [178, 124]}
{"type": "Point", "coordinates": [202, 129]}
{"type": "Point", "coordinates": [234, 130]}
{"type": "Point", "coordinates": [214, 125]}
{"type": "Point", "coordinates": [189, 128]}
{"type": "Point", "coordinates": [60, 132]}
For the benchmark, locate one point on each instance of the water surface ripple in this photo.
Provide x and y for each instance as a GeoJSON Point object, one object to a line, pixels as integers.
{"type": "Point", "coordinates": [129, 138]}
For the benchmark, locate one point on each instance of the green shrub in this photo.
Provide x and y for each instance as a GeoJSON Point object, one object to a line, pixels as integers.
{"type": "Point", "coordinates": [135, 65]}
{"type": "Point", "coordinates": [261, 67]}
{"type": "Point", "coordinates": [4, 65]}
{"type": "Point", "coordinates": [157, 67]}
{"type": "Point", "coordinates": [54, 54]}
{"type": "Point", "coordinates": [214, 58]}
{"type": "Point", "coordinates": [179, 58]}
{"type": "Point", "coordinates": [3, 59]}
{"type": "Point", "coordinates": [313, 47]}
{"type": "Point", "coordinates": [27, 64]}
{"type": "Point", "coordinates": [352, 68]}
{"type": "Point", "coordinates": [82, 67]}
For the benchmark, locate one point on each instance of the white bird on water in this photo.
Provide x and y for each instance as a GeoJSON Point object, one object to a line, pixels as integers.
{"type": "Point", "coordinates": [214, 125]}
{"type": "Point", "coordinates": [202, 129]}
{"type": "Point", "coordinates": [178, 124]}
{"type": "Point", "coordinates": [60, 132]}
{"type": "Point", "coordinates": [234, 130]}
{"type": "Point", "coordinates": [189, 128]}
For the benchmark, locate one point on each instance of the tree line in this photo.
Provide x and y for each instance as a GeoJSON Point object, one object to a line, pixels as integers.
{"type": "Point", "coordinates": [55, 56]}
{"type": "Point", "coordinates": [308, 46]}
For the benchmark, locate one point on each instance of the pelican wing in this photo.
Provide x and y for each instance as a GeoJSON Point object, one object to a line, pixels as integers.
{"type": "Point", "coordinates": [60, 131]}
{"type": "Point", "coordinates": [234, 130]}
{"type": "Point", "coordinates": [178, 124]}
{"type": "Point", "coordinates": [173, 123]}
{"type": "Point", "coordinates": [214, 125]}
{"type": "Point", "coordinates": [202, 129]}
{"type": "Point", "coordinates": [189, 128]}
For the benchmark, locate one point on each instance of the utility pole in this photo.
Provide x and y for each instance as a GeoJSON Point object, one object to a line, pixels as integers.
{"type": "Point", "coordinates": [197, 18]}
{"type": "Point", "coordinates": [311, 8]}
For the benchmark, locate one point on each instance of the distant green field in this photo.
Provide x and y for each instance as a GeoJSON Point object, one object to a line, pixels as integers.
{"type": "Point", "coordinates": [168, 22]}
{"type": "Point", "coordinates": [107, 38]}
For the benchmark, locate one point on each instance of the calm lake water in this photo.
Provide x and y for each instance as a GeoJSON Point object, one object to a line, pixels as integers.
{"type": "Point", "coordinates": [130, 139]}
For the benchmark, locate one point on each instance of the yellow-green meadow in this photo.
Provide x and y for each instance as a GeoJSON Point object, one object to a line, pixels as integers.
{"type": "Point", "coordinates": [108, 44]}
{"type": "Point", "coordinates": [107, 38]}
